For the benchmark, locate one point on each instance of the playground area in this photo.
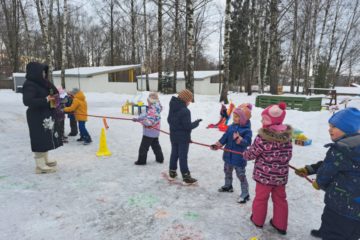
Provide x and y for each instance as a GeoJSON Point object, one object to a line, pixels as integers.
{"type": "Point", "coordinates": [92, 197]}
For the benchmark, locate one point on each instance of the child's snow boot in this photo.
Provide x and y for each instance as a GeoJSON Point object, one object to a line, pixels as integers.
{"type": "Point", "coordinates": [315, 233]}
{"type": "Point", "coordinates": [49, 162]}
{"type": "Point", "coordinates": [172, 175]}
{"type": "Point", "coordinates": [243, 200]}
{"type": "Point", "coordinates": [187, 179]}
{"type": "Point", "coordinates": [87, 140]}
{"type": "Point", "coordinates": [41, 166]}
{"type": "Point", "coordinates": [282, 232]}
{"type": "Point", "coordinates": [226, 189]}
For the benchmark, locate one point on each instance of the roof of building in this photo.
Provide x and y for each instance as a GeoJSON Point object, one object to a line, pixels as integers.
{"type": "Point", "coordinates": [92, 71]}
{"type": "Point", "coordinates": [19, 74]}
{"type": "Point", "coordinates": [198, 75]}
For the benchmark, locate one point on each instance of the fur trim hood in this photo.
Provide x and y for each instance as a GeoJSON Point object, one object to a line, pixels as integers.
{"type": "Point", "coordinates": [273, 136]}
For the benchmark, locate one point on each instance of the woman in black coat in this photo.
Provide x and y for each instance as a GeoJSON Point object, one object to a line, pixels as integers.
{"type": "Point", "coordinates": [38, 93]}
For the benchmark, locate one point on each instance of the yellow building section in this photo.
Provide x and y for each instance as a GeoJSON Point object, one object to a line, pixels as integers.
{"type": "Point", "coordinates": [131, 75]}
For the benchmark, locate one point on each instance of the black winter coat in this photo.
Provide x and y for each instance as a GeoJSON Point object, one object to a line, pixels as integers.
{"type": "Point", "coordinates": [180, 123]}
{"type": "Point", "coordinates": [44, 133]}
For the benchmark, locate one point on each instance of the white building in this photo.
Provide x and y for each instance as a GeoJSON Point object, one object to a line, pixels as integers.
{"type": "Point", "coordinates": [117, 79]}
{"type": "Point", "coordinates": [206, 82]}
{"type": "Point", "coordinates": [19, 79]}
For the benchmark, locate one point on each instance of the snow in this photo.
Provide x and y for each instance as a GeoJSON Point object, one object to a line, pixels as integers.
{"type": "Point", "coordinates": [19, 74]}
{"type": "Point", "coordinates": [111, 198]}
{"type": "Point", "coordinates": [198, 75]}
{"type": "Point", "coordinates": [348, 90]}
{"type": "Point", "coordinates": [91, 71]}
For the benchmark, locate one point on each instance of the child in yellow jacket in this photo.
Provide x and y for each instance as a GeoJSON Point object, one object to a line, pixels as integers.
{"type": "Point", "coordinates": [79, 107]}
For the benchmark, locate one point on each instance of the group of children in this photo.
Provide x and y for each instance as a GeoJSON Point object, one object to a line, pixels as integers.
{"type": "Point", "coordinates": [338, 174]}
{"type": "Point", "coordinates": [74, 104]}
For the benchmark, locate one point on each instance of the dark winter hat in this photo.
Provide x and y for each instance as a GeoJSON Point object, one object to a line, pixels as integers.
{"type": "Point", "coordinates": [347, 120]}
{"type": "Point", "coordinates": [185, 95]}
{"type": "Point", "coordinates": [74, 91]}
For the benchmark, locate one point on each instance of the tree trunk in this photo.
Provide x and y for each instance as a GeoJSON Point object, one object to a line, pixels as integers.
{"type": "Point", "coordinates": [190, 46]}
{"type": "Point", "coordinates": [274, 47]}
{"type": "Point", "coordinates": [225, 86]}
{"type": "Point", "coordinates": [328, 4]}
{"type": "Point", "coordinates": [294, 48]}
{"type": "Point", "coordinates": [45, 33]}
{"type": "Point", "coordinates": [112, 59]}
{"type": "Point", "coordinates": [160, 43]}
{"type": "Point", "coordinates": [133, 32]}
{"type": "Point", "coordinates": [147, 53]}
{"type": "Point", "coordinates": [176, 39]}
{"type": "Point", "coordinates": [63, 44]}
{"type": "Point", "coordinates": [258, 53]}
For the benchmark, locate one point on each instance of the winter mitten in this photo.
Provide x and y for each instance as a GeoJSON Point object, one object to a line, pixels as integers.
{"type": "Point", "coordinates": [135, 120]}
{"type": "Point", "coordinates": [301, 172]}
{"type": "Point", "coordinates": [315, 185]}
{"type": "Point", "coordinates": [198, 120]}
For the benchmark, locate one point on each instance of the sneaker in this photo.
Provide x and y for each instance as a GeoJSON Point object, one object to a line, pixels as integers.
{"type": "Point", "coordinates": [172, 174]}
{"type": "Point", "coordinates": [226, 189]}
{"type": "Point", "coordinates": [243, 200]}
{"type": "Point", "coordinates": [258, 226]}
{"type": "Point", "coordinates": [282, 232]}
{"type": "Point", "coordinates": [315, 233]}
{"type": "Point", "coordinates": [139, 163]}
{"type": "Point", "coordinates": [188, 180]}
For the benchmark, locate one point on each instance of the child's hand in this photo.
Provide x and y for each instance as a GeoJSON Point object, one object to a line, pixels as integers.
{"type": "Point", "coordinates": [214, 147]}
{"type": "Point", "coordinates": [302, 172]}
{"type": "Point", "coordinates": [237, 137]}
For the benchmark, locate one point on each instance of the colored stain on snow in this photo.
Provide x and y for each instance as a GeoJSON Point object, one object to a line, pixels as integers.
{"type": "Point", "coordinates": [143, 200]}
{"type": "Point", "coordinates": [191, 216]}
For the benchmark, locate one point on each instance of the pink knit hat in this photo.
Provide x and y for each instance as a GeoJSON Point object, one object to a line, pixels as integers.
{"type": "Point", "coordinates": [273, 116]}
{"type": "Point", "coordinates": [244, 112]}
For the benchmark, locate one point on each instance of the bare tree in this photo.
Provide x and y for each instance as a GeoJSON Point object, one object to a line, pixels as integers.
{"type": "Point", "coordinates": [160, 45]}
{"type": "Point", "coordinates": [45, 32]}
{"type": "Point", "coordinates": [63, 44]}
{"type": "Point", "coordinates": [190, 45]}
{"type": "Point", "coordinates": [225, 86]}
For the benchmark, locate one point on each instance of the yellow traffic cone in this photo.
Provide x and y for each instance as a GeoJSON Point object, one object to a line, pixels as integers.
{"type": "Point", "coordinates": [103, 149]}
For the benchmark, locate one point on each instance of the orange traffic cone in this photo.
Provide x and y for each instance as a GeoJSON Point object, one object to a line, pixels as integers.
{"type": "Point", "coordinates": [103, 149]}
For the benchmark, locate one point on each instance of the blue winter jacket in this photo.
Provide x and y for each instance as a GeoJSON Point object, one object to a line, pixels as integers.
{"type": "Point", "coordinates": [229, 142]}
{"type": "Point", "coordinates": [339, 176]}
{"type": "Point", "coordinates": [179, 120]}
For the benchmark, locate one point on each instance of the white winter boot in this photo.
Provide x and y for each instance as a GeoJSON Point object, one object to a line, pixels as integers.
{"type": "Point", "coordinates": [41, 166]}
{"type": "Point", "coordinates": [49, 162]}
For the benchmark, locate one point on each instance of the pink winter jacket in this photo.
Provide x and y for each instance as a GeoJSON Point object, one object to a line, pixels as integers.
{"type": "Point", "coordinates": [272, 152]}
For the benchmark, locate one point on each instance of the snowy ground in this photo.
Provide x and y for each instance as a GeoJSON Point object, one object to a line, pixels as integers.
{"type": "Point", "coordinates": [111, 198]}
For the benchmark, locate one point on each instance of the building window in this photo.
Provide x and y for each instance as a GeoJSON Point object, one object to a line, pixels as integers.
{"type": "Point", "coordinates": [215, 79]}
{"type": "Point", "coordinates": [123, 76]}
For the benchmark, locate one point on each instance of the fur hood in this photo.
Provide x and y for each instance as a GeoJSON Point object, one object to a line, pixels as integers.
{"type": "Point", "coordinates": [273, 136]}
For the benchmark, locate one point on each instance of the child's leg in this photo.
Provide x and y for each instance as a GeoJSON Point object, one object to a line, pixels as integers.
{"type": "Point", "coordinates": [86, 133]}
{"type": "Point", "coordinates": [81, 129]}
{"type": "Point", "coordinates": [336, 227]}
{"type": "Point", "coordinates": [183, 157]}
{"type": "Point", "coordinates": [241, 174]}
{"type": "Point", "coordinates": [260, 203]}
{"type": "Point", "coordinates": [143, 150]}
{"type": "Point", "coordinates": [280, 210]}
{"type": "Point", "coordinates": [73, 125]}
{"type": "Point", "coordinates": [155, 145]}
{"type": "Point", "coordinates": [174, 156]}
{"type": "Point", "coordinates": [228, 170]}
